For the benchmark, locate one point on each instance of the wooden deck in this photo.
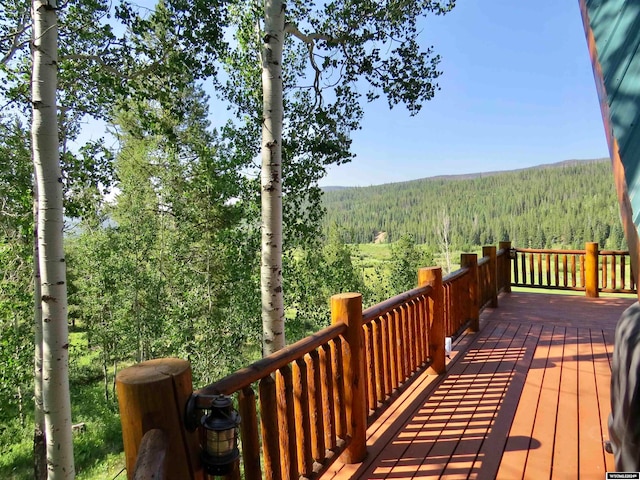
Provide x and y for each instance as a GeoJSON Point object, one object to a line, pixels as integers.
{"type": "Point", "coordinates": [526, 397]}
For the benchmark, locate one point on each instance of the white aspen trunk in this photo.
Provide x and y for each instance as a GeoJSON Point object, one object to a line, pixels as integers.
{"type": "Point", "coordinates": [271, 179]}
{"type": "Point", "coordinates": [39, 441]}
{"type": "Point", "coordinates": [55, 335]}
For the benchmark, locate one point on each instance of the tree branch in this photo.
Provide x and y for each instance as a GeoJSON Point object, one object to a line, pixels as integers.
{"type": "Point", "coordinates": [310, 39]}
{"type": "Point", "coordinates": [23, 26]}
{"type": "Point", "coordinates": [97, 59]}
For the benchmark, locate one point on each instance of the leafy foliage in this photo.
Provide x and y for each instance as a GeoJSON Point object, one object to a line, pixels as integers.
{"type": "Point", "coordinates": [16, 270]}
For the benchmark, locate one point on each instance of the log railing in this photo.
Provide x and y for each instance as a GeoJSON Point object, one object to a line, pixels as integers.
{"type": "Point", "coordinates": [615, 272]}
{"type": "Point", "coordinates": [306, 404]}
{"type": "Point", "coordinates": [589, 270]}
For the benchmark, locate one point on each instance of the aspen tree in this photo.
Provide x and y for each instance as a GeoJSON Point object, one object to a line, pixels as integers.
{"type": "Point", "coordinates": [46, 161]}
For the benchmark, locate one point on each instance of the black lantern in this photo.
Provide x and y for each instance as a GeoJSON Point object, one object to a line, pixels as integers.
{"type": "Point", "coordinates": [220, 439]}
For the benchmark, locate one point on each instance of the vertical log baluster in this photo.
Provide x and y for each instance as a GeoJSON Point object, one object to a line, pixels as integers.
{"type": "Point", "coordinates": [393, 350]}
{"type": "Point", "coordinates": [426, 314]}
{"type": "Point", "coordinates": [399, 346]}
{"type": "Point", "coordinates": [613, 272]}
{"type": "Point", "coordinates": [370, 367]}
{"type": "Point", "coordinates": [328, 412]}
{"type": "Point", "coordinates": [454, 288]}
{"type": "Point", "coordinates": [338, 389]}
{"type": "Point", "coordinates": [249, 434]}
{"type": "Point", "coordinates": [418, 314]}
{"type": "Point", "coordinates": [270, 435]}
{"type": "Point", "coordinates": [318, 449]}
{"type": "Point", "coordinates": [540, 269]}
{"type": "Point", "coordinates": [454, 291]}
{"type": "Point", "coordinates": [411, 335]}
{"type": "Point", "coordinates": [405, 341]}
{"type": "Point", "coordinates": [572, 262]}
{"type": "Point", "coordinates": [386, 360]}
{"type": "Point", "coordinates": [565, 271]}
{"type": "Point", "coordinates": [403, 349]}
{"type": "Point", "coordinates": [378, 359]}
{"type": "Point", "coordinates": [623, 272]}
{"type": "Point", "coordinates": [462, 295]}
{"type": "Point", "coordinates": [556, 262]}
{"type": "Point", "coordinates": [605, 279]}
{"type": "Point", "coordinates": [302, 420]}
{"type": "Point", "coordinates": [450, 320]}
{"type": "Point", "coordinates": [582, 272]}
{"type": "Point", "coordinates": [287, 422]}
{"type": "Point", "coordinates": [548, 266]}
{"type": "Point", "coordinates": [531, 269]}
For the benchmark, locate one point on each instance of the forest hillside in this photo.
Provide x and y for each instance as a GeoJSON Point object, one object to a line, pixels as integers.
{"type": "Point", "coordinates": [563, 204]}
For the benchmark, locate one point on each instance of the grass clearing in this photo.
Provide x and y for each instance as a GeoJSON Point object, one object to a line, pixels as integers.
{"type": "Point", "coordinates": [98, 449]}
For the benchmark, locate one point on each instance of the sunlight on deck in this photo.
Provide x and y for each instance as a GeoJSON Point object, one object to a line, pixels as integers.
{"type": "Point", "coordinates": [527, 397]}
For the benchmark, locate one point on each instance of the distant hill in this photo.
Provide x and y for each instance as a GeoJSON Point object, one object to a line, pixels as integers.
{"type": "Point", "coordinates": [565, 203]}
{"type": "Point", "coordinates": [471, 176]}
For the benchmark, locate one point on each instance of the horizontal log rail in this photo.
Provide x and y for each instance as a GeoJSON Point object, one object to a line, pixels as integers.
{"type": "Point", "coordinates": [589, 270]}
{"type": "Point", "coordinates": [150, 463]}
{"type": "Point", "coordinates": [311, 402]}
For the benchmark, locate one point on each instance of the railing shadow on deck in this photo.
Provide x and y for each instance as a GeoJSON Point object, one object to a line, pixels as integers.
{"type": "Point", "coordinates": [311, 402]}
{"type": "Point", "coordinates": [444, 427]}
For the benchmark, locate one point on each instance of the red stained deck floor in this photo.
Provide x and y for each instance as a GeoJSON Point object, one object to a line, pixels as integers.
{"type": "Point", "coordinates": [526, 397]}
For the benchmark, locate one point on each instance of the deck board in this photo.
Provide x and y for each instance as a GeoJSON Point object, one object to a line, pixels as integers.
{"type": "Point", "coordinates": [590, 439]}
{"type": "Point", "coordinates": [565, 452]}
{"type": "Point", "coordinates": [527, 394]}
{"type": "Point", "coordinates": [540, 459]}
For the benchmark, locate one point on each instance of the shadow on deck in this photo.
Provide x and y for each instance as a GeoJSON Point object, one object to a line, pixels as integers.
{"type": "Point", "coordinates": [526, 397]}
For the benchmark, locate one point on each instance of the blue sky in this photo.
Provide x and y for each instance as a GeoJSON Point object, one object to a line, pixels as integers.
{"type": "Point", "coordinates": [517, 91]}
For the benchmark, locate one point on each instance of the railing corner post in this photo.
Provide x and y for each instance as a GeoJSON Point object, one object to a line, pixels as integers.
{"type": "Point", "coordinates": [506, 266]}
{"type": "Point", "coordinates": [347, 308]}
{"type": "Point", "coordinates": [433, 276]}
{"type": "Point", "coordinates": [470, 261]}
{"type": "Point", "coordinates": [591, 269]}
{"type": "Point", "coordinates": [490, 251]}
{"type": "Point", "coordinates": [153, 395]}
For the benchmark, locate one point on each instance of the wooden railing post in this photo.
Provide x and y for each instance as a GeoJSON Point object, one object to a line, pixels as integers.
{"type": "Point", "coordinates": [470, 261]}
{"type": "Point", "coordinates": [433, 276]}
{"type": "Point", "coordinates": [591, 269]}
{"type": "Point", "coordinates": [506, 266]}
{"type": "Point", "coordinates": [153, 395]}
{"type": "Point", "coordinates": [490, 251]}
{"type": "Point", "coordinates": [347, 308]}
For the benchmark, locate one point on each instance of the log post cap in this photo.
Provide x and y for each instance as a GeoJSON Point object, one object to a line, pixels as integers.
{"type": "Point", "coordinates": [152, 371]}
{"type": "Point", "coordinates": [430, 269]}
{"type": "Point", "coordinates": [346, 296]}
{"type": "Point", "coordinates": [427, 275]}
